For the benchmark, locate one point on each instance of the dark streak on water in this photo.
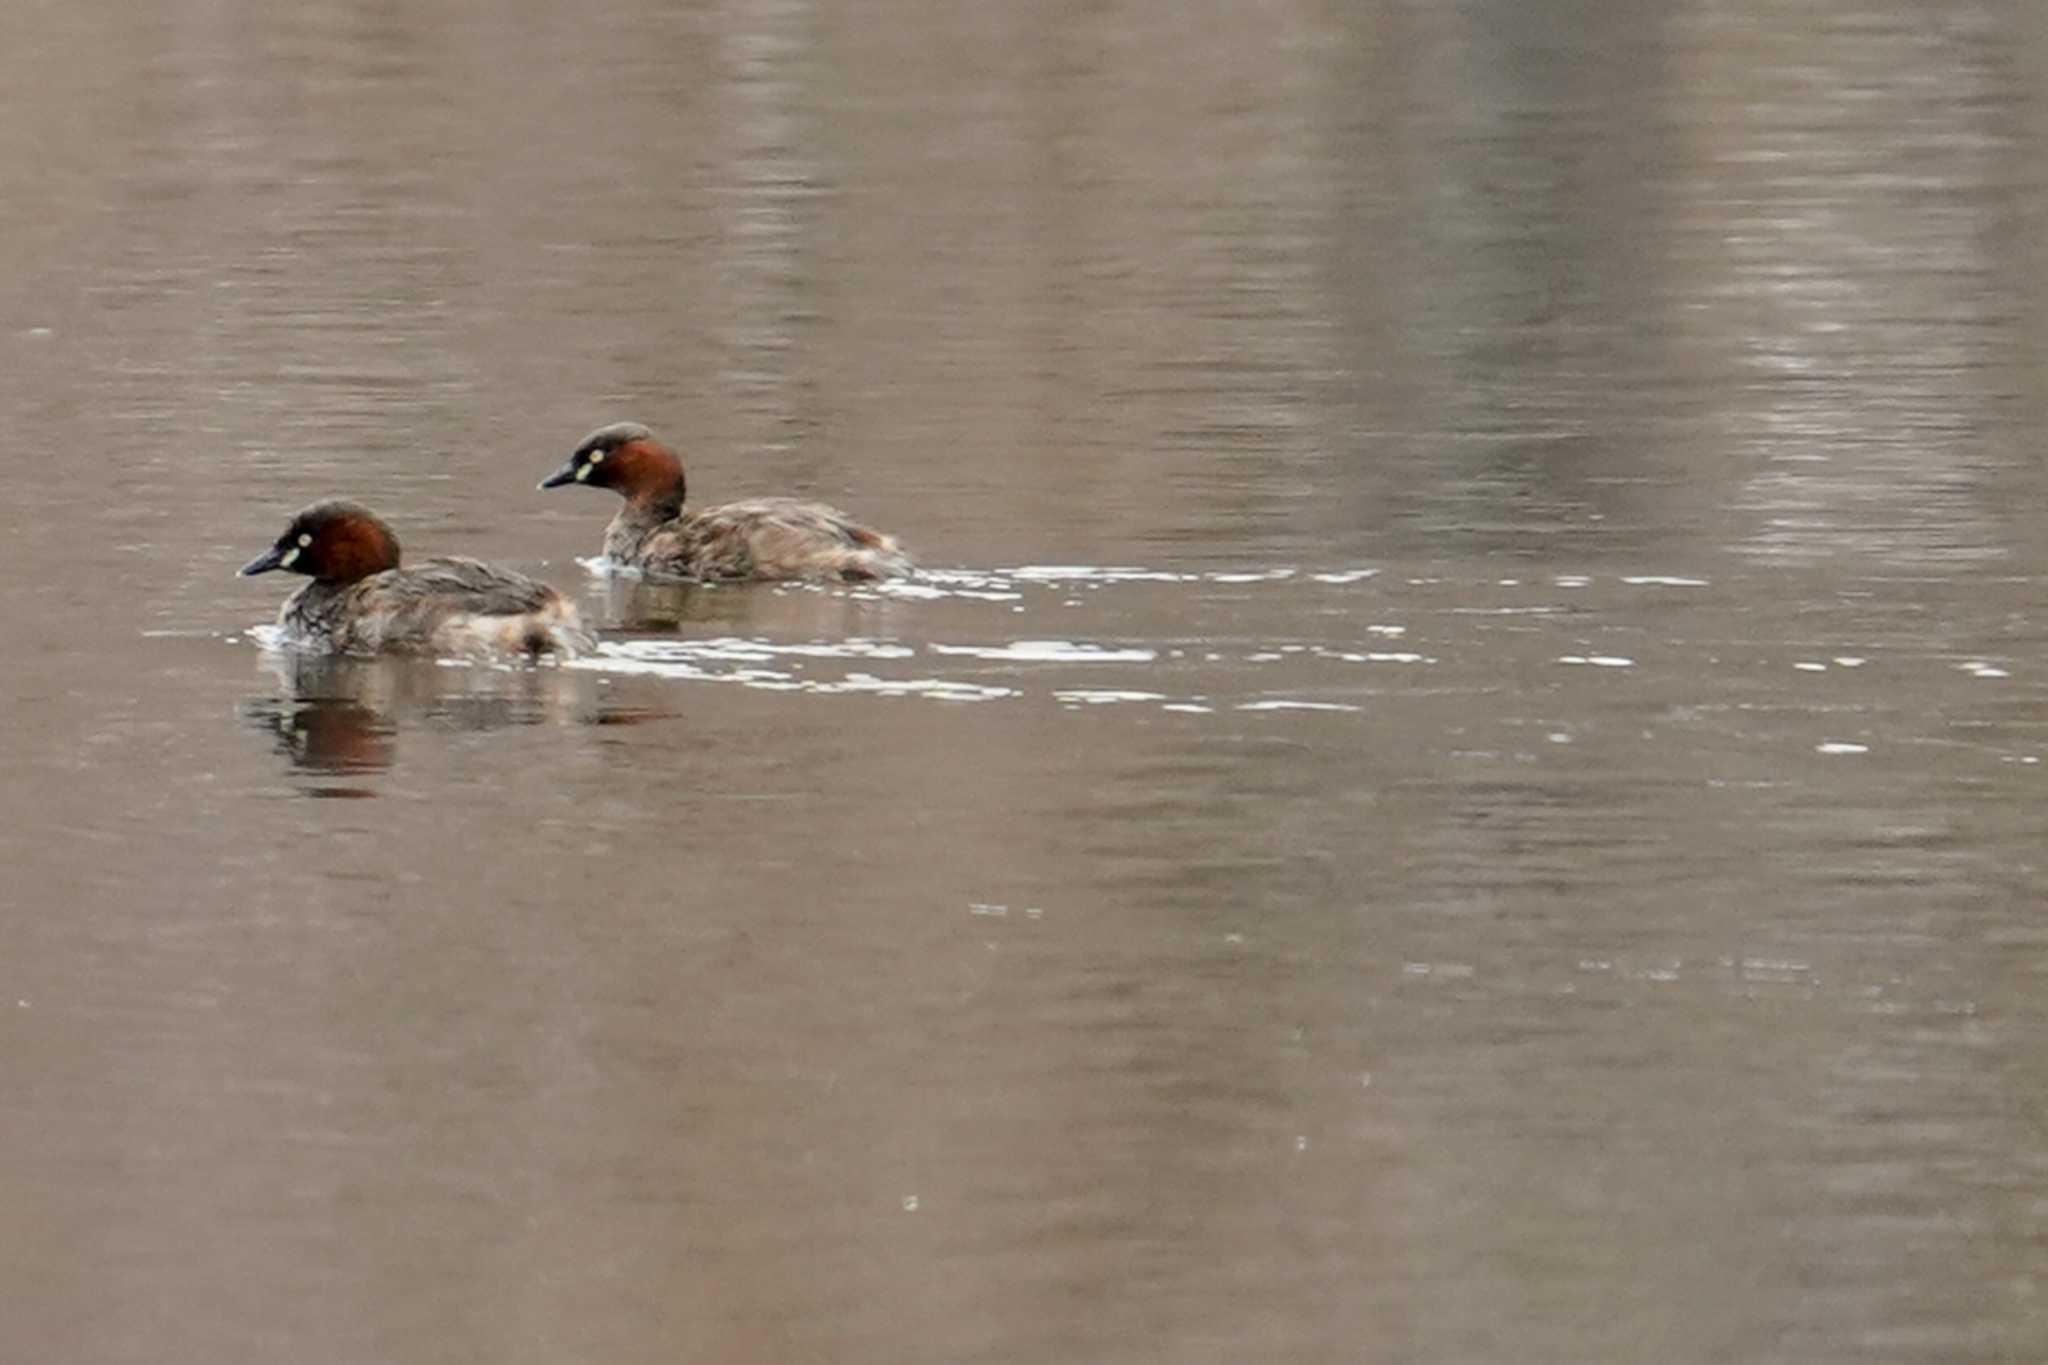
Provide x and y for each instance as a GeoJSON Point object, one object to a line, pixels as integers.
{"type": "Point", "coordinates": [1515, 835]}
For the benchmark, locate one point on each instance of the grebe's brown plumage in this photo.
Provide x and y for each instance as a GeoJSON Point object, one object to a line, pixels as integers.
{"type": "Point", "coordinates": [361, 602]}
{"type": "Point", "coordinates": [756, 538]}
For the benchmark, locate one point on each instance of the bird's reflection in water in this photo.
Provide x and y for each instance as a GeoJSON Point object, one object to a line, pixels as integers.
{"type": "Point", "coordinates": [634, 605]}
{"type": "Point", "coordinates": [341, 717]}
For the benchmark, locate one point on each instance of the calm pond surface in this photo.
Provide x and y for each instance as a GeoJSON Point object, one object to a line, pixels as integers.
{"type": "Point", "coordinates": [1467, 785]}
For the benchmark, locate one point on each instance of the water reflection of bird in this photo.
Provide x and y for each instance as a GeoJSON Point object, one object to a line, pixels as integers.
{"type": "Point", "coordinates": [642, 604]}
{"type": "Point", "coordinates": [335, 715]}
{"type": "Point", "coordinates": [324, 735]}
{"type": "Point", "coordinates": [324, 718]}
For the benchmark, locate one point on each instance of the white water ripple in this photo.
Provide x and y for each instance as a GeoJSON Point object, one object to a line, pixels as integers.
{"type": "Point", "coordinates": [1050, 652]}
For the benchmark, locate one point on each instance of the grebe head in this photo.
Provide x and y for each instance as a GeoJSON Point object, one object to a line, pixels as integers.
{"type": "Point", "coordinates": [334, 541]}
{"type": "Point", "coordinates": [626, 458]}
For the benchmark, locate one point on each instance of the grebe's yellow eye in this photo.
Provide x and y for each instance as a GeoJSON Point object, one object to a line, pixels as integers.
{"type": "Point", "coordinates": [305, 539]}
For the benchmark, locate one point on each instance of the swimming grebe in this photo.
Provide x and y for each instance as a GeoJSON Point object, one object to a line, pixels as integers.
{"type": "Point", "coordinates": [361, 602]}
{"type": "Point", "coordinates": [757, 538]}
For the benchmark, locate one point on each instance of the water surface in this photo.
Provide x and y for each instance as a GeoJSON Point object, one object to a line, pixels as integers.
{"type": "Point", "coordinates": [1465, 786]}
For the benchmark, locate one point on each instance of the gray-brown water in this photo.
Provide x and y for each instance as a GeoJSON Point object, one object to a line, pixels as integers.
{"type": "Point", "coordinates": [1468, 786]}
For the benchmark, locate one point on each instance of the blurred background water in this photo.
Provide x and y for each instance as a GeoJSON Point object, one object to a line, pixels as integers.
{"type": "Point", "coordinates": [1466, 786]}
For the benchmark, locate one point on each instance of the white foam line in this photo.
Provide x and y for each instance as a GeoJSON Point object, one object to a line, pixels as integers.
{"type": "Point", "coordinates": [963, 578]}
{"type": "Point", "coordinates": [1050, 652]}
{"type": "Point", "coordinates": [732, 649]}
{"type": "Point", "coordinates": [736, 647]}
{"type": "Point", "coordinates": [929, 588]}
{"type": "Point", "coordinates": [613, 658]}
{"type": "Point", "coordinates": [938, 689]}
{"type": "Point", "coordinates": [1284, 704]}
{"type": "Point", "coordinates": [1112, 573]}
{"type": "Point", "coordinates": [998, 585]}
{"type": "Point", "coordinates": [1376, 657]}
